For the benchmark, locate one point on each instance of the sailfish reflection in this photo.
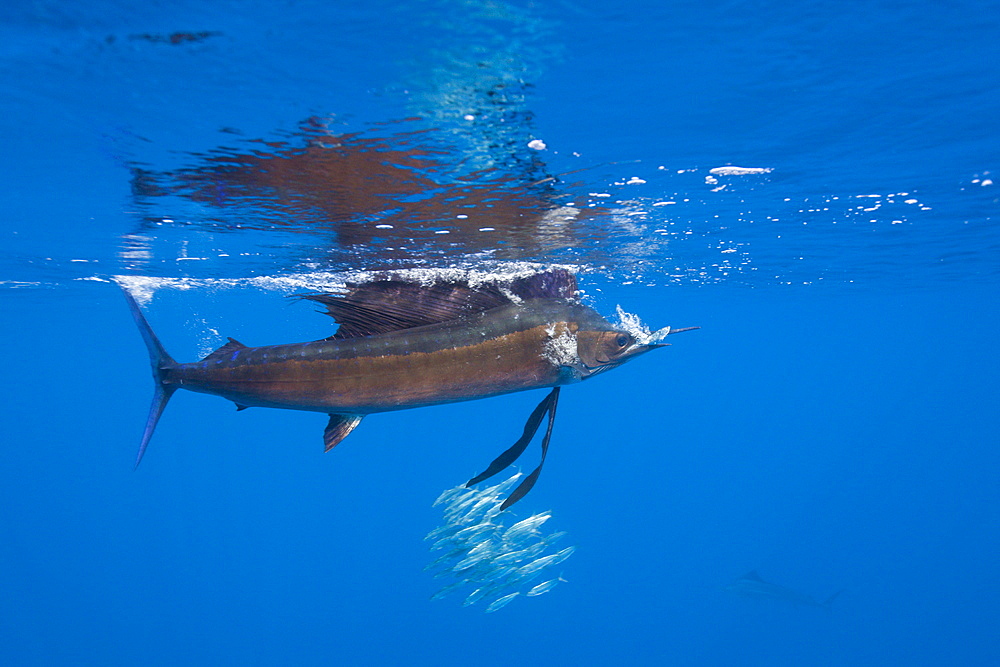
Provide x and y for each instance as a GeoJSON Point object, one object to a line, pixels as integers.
{"type": "Point", "coordinates": [380, 196]}
{"type": "Point", "coordinates": [400, 344]}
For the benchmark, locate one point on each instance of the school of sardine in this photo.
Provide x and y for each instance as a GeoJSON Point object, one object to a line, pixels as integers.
{"type": "Point", "coordinates": [492, 562]}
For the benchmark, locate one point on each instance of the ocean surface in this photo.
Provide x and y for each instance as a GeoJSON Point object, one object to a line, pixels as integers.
{"type": "Point", "coordinates": [814, 184]}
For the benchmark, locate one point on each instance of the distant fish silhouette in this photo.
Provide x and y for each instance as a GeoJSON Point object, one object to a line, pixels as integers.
{"type": "Point", "coordinates": [752, 586]}
{"type": "Point", "coordinates": [406, 345]}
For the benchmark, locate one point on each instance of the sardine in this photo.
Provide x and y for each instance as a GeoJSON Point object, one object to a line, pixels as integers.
{"type": "Point", "coordinates": [501, 602]}
{"type": "Point", "coordinates": [544, 587]}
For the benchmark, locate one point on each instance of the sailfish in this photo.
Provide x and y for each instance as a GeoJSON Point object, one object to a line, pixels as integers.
{"type": "Point", "coordinates": [406, 344]}
{"type": "Point", "coordinates": [752, 586]}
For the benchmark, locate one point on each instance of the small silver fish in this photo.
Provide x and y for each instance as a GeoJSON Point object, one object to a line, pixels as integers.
{"type": "Point", "coordinates": [445, 542]}
{"type": "Point", "coordinates": [479, 508]}
{"type": "Point", "coordinates": [447, 530]}
{"type": "Point", "coordinates": [544, 587]}
{"type": "Point", "coordinates": [554, 537]}
{"type": "Point", "coordinates": [450, 555]}
{"type": "Point", "coordinates": [477, 595]}
{"type": "Point", "coordinates": [526, 525]}
{"type": "Point", "coordinates": [485, 546]}
{"type": "Point", "coordinates": [454, 512]}
{"type": "Point", "coordinates": [447, 590]}
{"type": "Point", "coordinates": [511, 557]}
{"type": "Point", "coordinates": [545, 561]}
{"type": "Point", "coordinates": [449, 494]}
{"type": "Point", "coordinates": [501, 602]}
{"type": "Point", "coordinates": [472, 532]}
{"type": "Point", "coordinates": [470, 562]}
{"type": "Point", "coordinates": [499, 575]}
{"type": "Point", "coordinates": [504, 485]}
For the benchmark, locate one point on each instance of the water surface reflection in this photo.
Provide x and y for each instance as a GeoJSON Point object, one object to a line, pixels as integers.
{"type": "Point", "coordinates": [392, 194]}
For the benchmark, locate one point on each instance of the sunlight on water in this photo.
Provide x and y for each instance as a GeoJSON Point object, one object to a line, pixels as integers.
{"type": "Point", "coordinates": [330, 197]}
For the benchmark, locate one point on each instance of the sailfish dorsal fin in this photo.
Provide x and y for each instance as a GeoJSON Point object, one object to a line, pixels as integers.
{"type": "Point", "coordinates": [394, 304]}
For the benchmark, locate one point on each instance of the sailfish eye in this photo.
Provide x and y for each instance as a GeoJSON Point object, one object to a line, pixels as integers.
{"type": "Point", "coordinates": [622, 339]}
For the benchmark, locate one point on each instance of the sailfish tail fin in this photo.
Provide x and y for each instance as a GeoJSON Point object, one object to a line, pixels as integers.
{"type": "Point", "coordinates": [160, 361]}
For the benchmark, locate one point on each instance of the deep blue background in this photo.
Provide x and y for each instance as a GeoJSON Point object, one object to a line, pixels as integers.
{"type": "Point", "coordinates": [833, 423]}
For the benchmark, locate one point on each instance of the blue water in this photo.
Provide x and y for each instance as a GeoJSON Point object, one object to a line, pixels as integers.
{"type": "Point", "coordinates": [832, 425]}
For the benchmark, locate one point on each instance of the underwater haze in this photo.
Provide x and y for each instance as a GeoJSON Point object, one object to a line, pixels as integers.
{"type": "Point", "coordinates": [810, 478]}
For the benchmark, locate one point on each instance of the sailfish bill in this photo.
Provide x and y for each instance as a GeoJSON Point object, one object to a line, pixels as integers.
{"type": "Point", "coordinates": [404, 343]}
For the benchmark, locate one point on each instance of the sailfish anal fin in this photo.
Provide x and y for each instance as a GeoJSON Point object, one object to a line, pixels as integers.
{"type": "Point", "coordinates": [338, 428]}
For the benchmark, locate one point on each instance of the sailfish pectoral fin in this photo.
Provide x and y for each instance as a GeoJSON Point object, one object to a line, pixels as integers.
{"type": "Point", "coordinates": [529, 481]}
{"type": "Point", "coordinates": [338, 428]}
{"type": "Point", "coordinates": [515, 450]}
{"type": "Point", "coordinates": [548, 405]}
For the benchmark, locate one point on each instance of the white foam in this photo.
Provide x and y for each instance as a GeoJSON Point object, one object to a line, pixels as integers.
{"type": "Point", "coordinates": [560, 348]}
{"type": "Point", "coordinates": [143, 288]}
{"type": "Point", "coordinates": [561, 215]}
{"type": "Point", "coordinates": [739, 171]}
{"type": "Point", "coordinates": [19, 283]}
{"type": "Point", "coordinates": [638, 329]}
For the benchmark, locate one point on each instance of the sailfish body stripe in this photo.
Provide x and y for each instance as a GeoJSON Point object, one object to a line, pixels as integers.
{"type": "Point", "coordinates": [492, 353]}
{"type": "Point", "coordinates": [404, 344]}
